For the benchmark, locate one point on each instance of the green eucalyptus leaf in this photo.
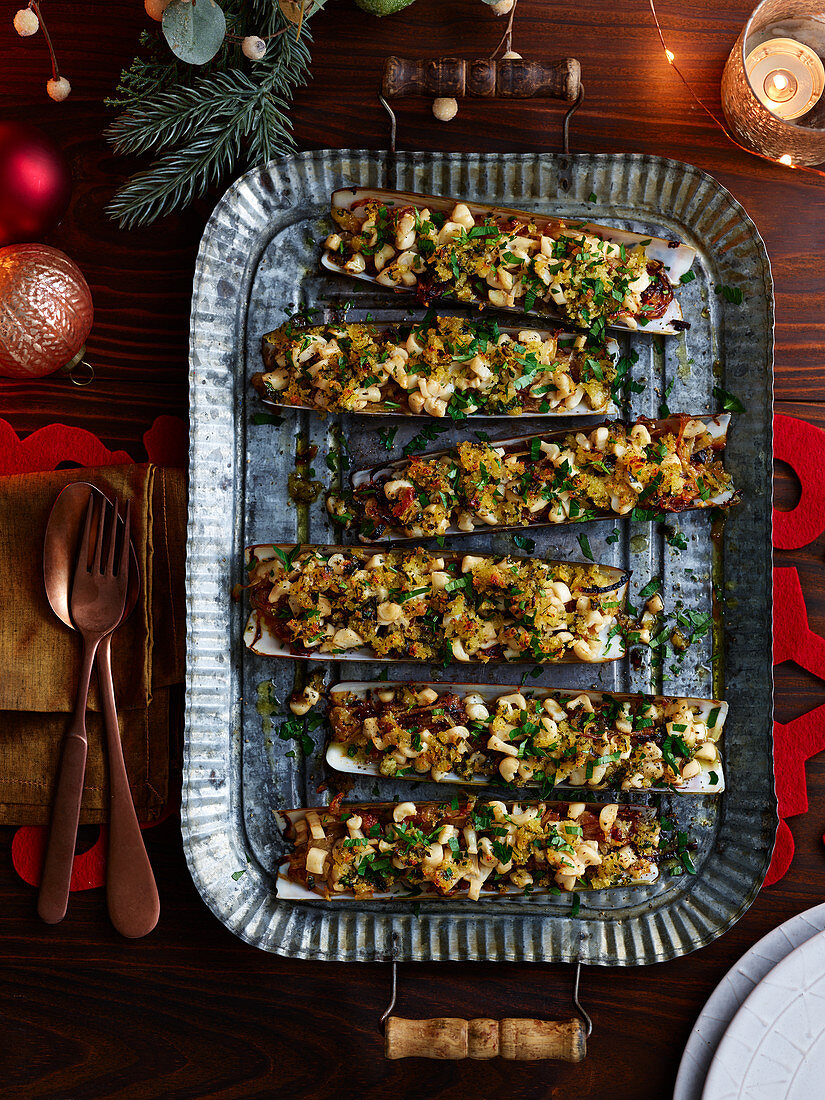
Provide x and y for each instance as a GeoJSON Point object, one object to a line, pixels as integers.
{"type": "Point", "coordinates": [194, 29]}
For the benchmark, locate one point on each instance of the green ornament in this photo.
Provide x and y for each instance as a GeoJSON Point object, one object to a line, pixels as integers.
{"type": "Point", "coordinates": [383, 7]}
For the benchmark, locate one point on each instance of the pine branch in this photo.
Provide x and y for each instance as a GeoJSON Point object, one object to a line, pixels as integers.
{"type": "Point", "coordinates": [272, 135]}
{"type": "Point", "coordinates": [146, 75]}
{"type": "Point", "coordinates": [175, 179]}
{"type": "Point", "coordinates": [206, 120]}
{"type": "Point", "coordinates": [172, 117]}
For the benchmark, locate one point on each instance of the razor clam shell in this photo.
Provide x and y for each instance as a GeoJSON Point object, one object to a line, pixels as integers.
{"type": "Point", "coordinates": [581, 409]}
{"type": "Point", "coordinates": [288, 890]}
{"type": "Point", "coordinates": [294, 891]}
{"type": "Point", "coordinates": [677, 260]}
{"type": "Point", "coordinates": [700, 784]}
{"type": "Point", "coordinates": [259, 638]}
{"type": "Point", "coordinates": [717, 429]}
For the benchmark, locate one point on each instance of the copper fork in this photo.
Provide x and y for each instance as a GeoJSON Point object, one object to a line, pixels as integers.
{"type": "Point", "coordinates": [97, 601]}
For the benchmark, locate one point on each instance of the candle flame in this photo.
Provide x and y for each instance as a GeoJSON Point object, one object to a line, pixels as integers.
{"type": "Point", "coordinates": [785, 159]}
{"type": "Point", "coordinates": [780, 82]}
{"type": "Point", "coordinates": [670, 55]}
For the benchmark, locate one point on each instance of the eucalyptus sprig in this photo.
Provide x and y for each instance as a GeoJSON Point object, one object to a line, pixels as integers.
{"type": "Point", "coordinates": [206, 122]}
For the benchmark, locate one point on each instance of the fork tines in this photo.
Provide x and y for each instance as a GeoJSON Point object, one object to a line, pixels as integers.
{"type": "Point", "coordinates": [83, 552]}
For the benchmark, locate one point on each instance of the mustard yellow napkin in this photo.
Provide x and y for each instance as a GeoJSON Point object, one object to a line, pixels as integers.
{"type": "Point", "coordinates": [40, 657]}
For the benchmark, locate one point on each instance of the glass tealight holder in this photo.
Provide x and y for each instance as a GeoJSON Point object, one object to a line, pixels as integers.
{"type": "Point", "coordinates": [773, 86]}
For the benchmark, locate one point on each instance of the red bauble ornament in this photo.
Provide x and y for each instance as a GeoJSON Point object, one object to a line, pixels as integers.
{"type": "Point", "coordinates": [35, 183]}
{"type": "Point", "coordinates": [46, 310]}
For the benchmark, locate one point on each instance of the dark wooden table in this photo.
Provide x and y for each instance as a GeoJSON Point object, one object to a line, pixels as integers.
{"type": "Point", "coordinates": [191, 1011]}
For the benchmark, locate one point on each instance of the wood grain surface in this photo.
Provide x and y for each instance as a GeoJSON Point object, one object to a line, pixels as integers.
{"type": "Point", "coordinates": [191, 1011]}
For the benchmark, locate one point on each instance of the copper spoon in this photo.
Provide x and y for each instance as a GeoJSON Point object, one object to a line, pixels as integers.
{"type": "Point", "coordinates": [131, 891]}
{"type": "Point", "coordinates": [99, 585]}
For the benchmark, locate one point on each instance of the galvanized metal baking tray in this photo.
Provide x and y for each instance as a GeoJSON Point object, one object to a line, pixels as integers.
{"type": "Point", "coordinates": [258, 261]}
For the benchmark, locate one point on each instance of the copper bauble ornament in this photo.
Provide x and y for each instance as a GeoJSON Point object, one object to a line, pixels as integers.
{"type": "Point", "coordinates": [35, 183]}
{"type": "Point", "coordinates": [45, 311]}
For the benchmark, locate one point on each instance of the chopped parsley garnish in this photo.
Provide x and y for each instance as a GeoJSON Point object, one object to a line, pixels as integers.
{"type": "Point", "coordinates": [664, 411]}
{"type": "Point", "coordinates": [611, 758]}
{"type": "Point", "coordinates": [426, 435]}
{"type": "Point", "coordinates": [731, 294]}
{"type": "Point", "coordinates": [387, 437]}
{"type": "Point", "coordinates": [683, 853]}
{"type": "Point", "coordinates": [652, 586]}
{"type": "Point", "coordinates": [483, 231]}
{"type": "Point", "coordinates": [413, 595]}
{"type": "Point", "coordinates": [729, 401]}
{"type": "Point", "coordinates": [286, 558]}
{"type": "Point", "coordinates": [295, 729]}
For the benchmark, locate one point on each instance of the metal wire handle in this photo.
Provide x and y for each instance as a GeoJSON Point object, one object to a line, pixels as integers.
{"type": "Point", "coordinates": [565, 125]}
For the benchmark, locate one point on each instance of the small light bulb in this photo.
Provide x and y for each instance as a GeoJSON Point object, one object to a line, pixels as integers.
{"type": "Point", "coordinates": [786, 159]}
{"type": "Point", "coordinates": [670, 55]}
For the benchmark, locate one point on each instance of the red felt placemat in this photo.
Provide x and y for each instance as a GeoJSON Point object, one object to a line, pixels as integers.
{"type": "Point", "coordinates": [802, 446]}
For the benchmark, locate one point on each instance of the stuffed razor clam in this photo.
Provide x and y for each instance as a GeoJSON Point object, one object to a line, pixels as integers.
{"type": "Point", "coordinates": [440, 366]}
{"type": "Point", "coordinates": [561, 477]}
{"type": "Point", "coordinates": [481, 733]}
{"type": "Point", "coordinates": [467, 850]}
{"type": "Point", "coordinates": [591, 276]}
{"type": "Point", "coordinates": [413, 605]}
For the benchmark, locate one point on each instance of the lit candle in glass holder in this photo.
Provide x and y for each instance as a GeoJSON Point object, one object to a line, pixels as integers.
{"type": "Point", "coordinates": [773, 86]}
{"type": "Point", "coordinates": [786, 76]}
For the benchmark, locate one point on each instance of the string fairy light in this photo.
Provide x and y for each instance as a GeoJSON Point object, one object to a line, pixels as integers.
{"type": "Point", "coordinates": [785, 160]}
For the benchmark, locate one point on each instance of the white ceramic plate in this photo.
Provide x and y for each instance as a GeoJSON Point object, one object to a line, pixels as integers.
{"type": "Point", "coordinates": [731, 993]}
{"type": "Point", "coordinates": [775, 1045]}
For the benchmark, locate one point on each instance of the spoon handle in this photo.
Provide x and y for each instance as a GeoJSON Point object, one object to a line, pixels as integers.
{"type": "Point", "coordinates": [53, 899]}
{"type": "Point", "coordinates": [131, 891]}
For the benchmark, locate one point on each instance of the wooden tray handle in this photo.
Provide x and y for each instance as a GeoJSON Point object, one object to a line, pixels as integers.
{"type": "Point", "coordinates": [485, 77]}
{"type": "Point", "coordinates": [515, 1040]}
